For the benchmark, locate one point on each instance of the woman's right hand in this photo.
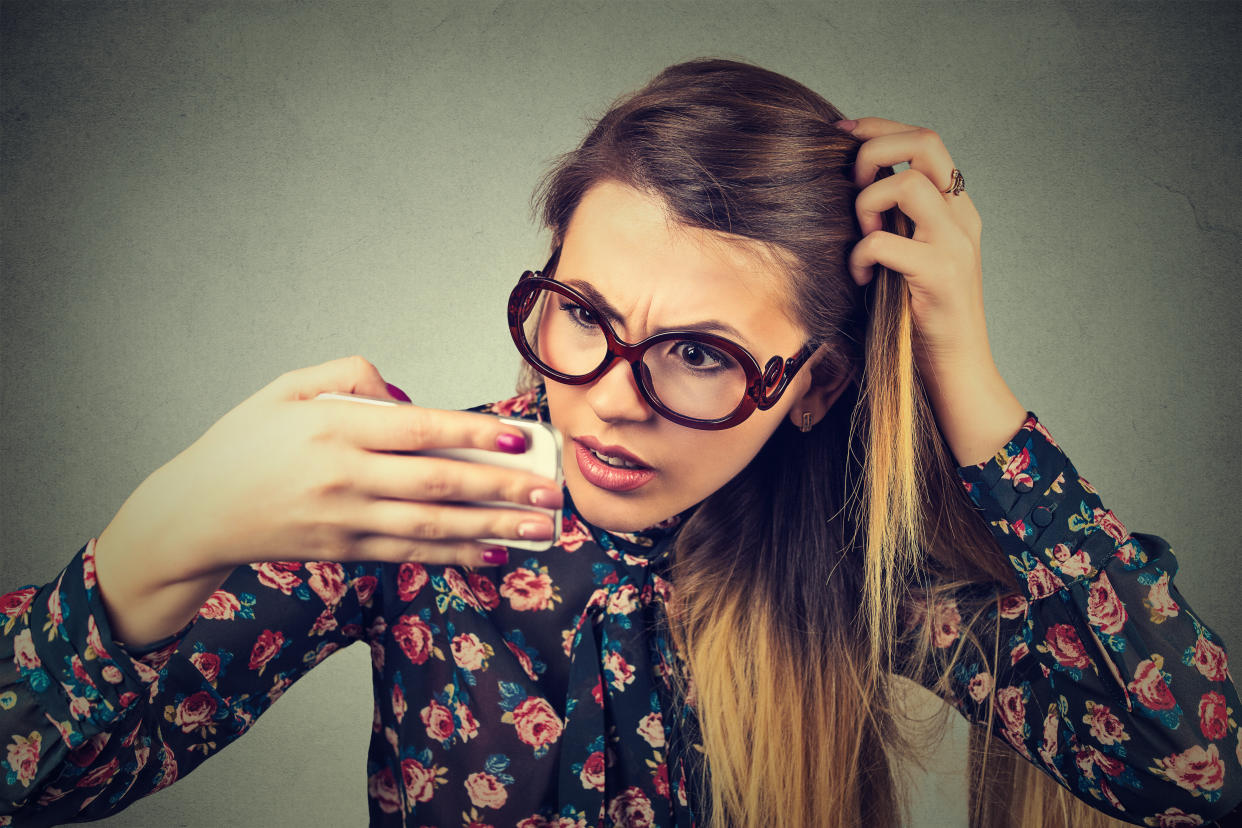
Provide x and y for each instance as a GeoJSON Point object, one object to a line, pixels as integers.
{"type": "Point", "coordinates": [284, 476]}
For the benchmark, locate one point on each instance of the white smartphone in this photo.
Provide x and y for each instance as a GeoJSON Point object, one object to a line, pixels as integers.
{"type": "Point", "coordinates": [544, 445]}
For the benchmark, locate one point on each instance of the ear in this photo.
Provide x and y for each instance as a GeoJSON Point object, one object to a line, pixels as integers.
{"type": "Point", "coordinates": [817, 399]}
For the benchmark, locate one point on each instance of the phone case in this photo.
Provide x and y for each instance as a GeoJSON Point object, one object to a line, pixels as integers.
{"type": "Point", "coordinates": [542, 457]}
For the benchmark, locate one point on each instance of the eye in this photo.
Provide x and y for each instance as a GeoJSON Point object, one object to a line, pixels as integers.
{"type": "Point", "coordinates": [580, 316]}
{"type": "Point", "coordinates": [699, 357]}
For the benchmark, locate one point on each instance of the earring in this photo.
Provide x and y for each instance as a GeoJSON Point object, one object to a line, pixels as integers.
{"type": "Point", "coordinates": [806, 422]}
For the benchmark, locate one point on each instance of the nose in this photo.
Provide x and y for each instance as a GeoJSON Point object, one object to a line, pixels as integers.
{"type": "Point", "coordinates": [614, 396]}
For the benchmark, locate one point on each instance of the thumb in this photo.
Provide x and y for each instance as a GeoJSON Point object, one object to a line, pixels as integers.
{"type": "Point", "coordinates": [348, 375]}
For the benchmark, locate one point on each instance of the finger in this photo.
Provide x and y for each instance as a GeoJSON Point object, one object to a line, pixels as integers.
{"type": "Point", "coordinates": [894, 252]}
{"type": "Point", "coordinates": [349, 375]}
{"type": "Point", "coordinates": [921, 148]}
{"type": "Point", "coordinates": [915, 195]}
{"type": "Point", "coordinates": [400, 550]}
{"type": "Point", "coordinates": [433, 478]}
{"type": "Point", "coordinates": [439, 522]}
{"type": "Point", "coordinates": [868, 128]}
{"type": "Point", "coordinates": [412, 428]}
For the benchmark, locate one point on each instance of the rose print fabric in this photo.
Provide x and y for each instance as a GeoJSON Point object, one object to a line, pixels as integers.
{"type": "Point", "coordinates": [1106, 679]}
{"type": "Point", "coordinates": [543, 693]}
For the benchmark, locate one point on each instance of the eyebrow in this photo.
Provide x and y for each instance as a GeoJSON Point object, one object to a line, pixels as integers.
{"type": "Point", "coordinates": [611, 313]}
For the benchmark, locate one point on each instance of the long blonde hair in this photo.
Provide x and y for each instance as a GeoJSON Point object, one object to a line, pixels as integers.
{"type": "Point", "coordinates": [798, 585]}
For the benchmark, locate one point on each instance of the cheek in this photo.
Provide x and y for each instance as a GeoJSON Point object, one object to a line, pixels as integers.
{"type": "Point", "coordinates": [561, 401]}
{"type": "Point", "coordinates": [715, 457]}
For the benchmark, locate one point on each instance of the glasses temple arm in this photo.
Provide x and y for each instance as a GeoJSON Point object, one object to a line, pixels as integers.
{"type": "Point", "coordinates": [782, 371]}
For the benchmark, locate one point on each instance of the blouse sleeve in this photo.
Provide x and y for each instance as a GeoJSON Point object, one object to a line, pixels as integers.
{"type": "Point", "coordinates": [1104, 677]}
{"type": "Point", "coordinates": [88, 725]}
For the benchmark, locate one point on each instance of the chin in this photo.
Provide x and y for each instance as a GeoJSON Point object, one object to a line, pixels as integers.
{"type": "Point", "coordinates": [615, 512]}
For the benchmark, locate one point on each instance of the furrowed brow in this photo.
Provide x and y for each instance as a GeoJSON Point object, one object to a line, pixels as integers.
{"type": "Point", "coordinates": [597, 299]}
{"type": "Point", "coordinates": [613, 315]}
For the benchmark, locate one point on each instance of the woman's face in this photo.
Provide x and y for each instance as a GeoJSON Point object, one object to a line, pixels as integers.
{"type": "Point", "coordinates": [658, 275]}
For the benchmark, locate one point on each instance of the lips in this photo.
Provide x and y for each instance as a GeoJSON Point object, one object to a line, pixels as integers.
{"type": "Point", "coordinates": [611, 451]}
{"type": "Point", "coordinates": [608, 477]}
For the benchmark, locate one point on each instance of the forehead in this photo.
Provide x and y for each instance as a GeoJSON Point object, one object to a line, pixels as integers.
{"type": "Point", "coordinates": [628, 246]}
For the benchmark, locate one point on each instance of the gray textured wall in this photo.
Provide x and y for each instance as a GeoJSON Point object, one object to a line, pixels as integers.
{"type": "Point", "coordinates": [197, 197]}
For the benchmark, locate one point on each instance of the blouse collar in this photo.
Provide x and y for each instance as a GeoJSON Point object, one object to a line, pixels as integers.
{"type": "Point", "coordinates": [643, 548]}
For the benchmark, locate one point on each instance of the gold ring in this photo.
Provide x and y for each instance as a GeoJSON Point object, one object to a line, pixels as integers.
{"type": "Point", "coordinates": [957, 184]}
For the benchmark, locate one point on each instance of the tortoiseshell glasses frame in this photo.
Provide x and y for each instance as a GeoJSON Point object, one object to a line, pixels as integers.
{"type": "Point", "coordinates": [763, 386]}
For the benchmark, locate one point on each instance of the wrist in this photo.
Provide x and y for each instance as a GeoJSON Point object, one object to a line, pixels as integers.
{"type": "Point", "coordinates": [145, 603]}
{"type": "Point", "coordinates": [976, 411]}
{"type": "Point", "coordinates": [161, 537]}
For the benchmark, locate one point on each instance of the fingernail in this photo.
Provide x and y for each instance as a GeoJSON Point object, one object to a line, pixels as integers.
{"type": "Point", "coordinates": [547, 498]}
{"type": "Point", "coordinates": [511, 443]}
{"type": "Point", "coordinates": [397, 393]}
{"type": "Point", "coordinates": [846, 125]}
{"type": "Point", "coordinates": [535, 530]}
{"type": "Point", "coordinates": [495, 555]}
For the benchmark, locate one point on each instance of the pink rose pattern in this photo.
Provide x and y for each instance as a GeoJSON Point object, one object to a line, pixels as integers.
{"type": "Point", "coordinates": [541, 693]}
{"type": "Point", "coordinates": [1105, 679]}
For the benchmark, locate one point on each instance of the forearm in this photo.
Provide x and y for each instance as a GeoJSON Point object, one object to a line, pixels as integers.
{"type": "Point", "coordinates": [88, 727]}
{"type": "Point", "coordinates": [1104, 675]}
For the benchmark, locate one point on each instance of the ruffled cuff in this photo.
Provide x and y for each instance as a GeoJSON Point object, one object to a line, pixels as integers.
{"type": "Point", "coordinates": [1047, 519]}
{"type": "Point", "coordinates": [73, 648]}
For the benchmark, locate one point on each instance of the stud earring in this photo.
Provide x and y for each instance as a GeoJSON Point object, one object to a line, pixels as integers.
{"type": "Point", "coordinates": [806, 422]}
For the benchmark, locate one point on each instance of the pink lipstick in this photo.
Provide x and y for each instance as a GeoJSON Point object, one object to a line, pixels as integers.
{"type": "Point", "coordinates": [610, 467]}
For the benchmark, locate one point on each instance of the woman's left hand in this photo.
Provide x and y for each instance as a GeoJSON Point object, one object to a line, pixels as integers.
{"type": "Point", "coordinates": [941, 263]}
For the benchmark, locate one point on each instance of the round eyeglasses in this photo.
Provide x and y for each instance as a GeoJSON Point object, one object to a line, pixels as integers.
{"type": "Point", "coordinates": [693, 378]}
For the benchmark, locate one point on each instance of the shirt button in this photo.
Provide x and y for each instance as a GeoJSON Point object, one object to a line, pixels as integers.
{"type": "Point", "coordinates": [1042, 516]}
{"type": "Point", "coordinates": [1022, 485]}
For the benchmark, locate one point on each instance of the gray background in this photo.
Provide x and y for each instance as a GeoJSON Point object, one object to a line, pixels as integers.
{"type": "Point", "coordinates": [198, 197]}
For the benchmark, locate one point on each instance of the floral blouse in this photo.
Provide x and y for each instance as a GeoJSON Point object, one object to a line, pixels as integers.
{"type": "Point", "coordinates": [540, 693]}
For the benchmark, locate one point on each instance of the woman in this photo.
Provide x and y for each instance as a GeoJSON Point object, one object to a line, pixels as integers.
{"type": "Point", "coordinates": [818, 483]}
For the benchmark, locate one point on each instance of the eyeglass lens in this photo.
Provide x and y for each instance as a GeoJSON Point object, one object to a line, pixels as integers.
{"type": "Point", "coordinates": [688, 376]}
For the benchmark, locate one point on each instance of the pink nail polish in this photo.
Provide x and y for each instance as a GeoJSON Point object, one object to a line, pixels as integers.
{"type": "Point", "coordinates": [511, 443]}
{"type": "Point", "coordinates": [547, 498]}
{"type": "Point", "coordinates": [846, 125]}
{"type": "Point", "coordinates": [496, 555]}
{"type": "Point", "coordinates": [397, 393]}
{"type": "Point", "coordinates": [532, 530]}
